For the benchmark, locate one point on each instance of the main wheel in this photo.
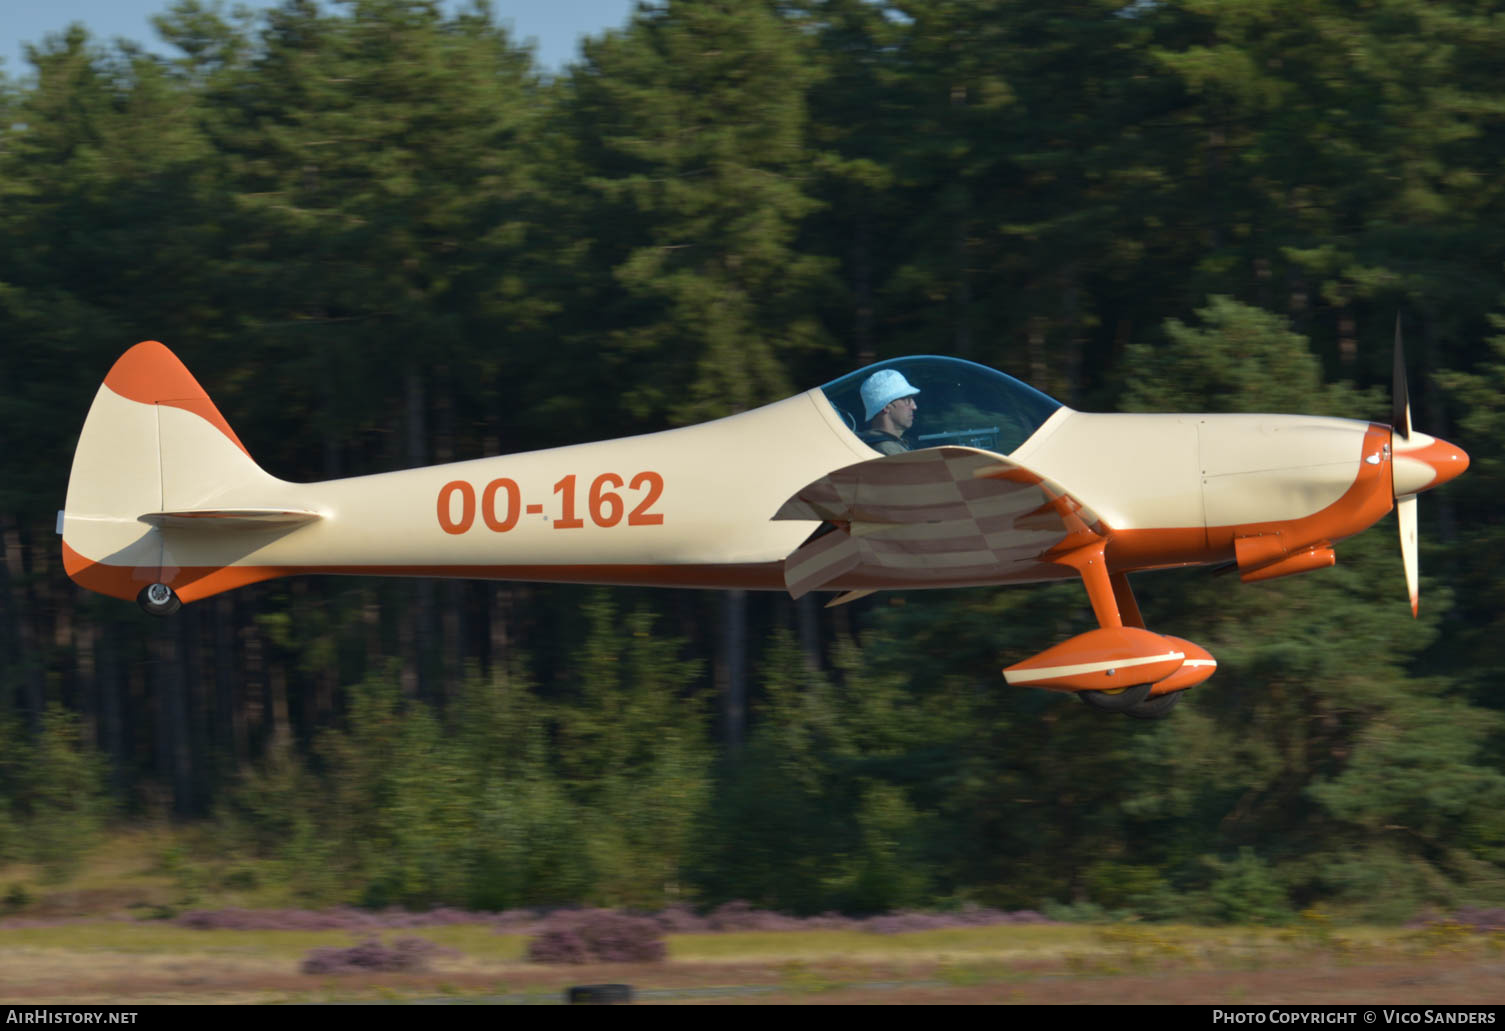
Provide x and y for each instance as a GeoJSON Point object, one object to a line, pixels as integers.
{"type": "Point", "coordinates": [1121, 700]}
{"type": "Point", "coordinates": [158, 600]}
{"type": "Point", "coordinates": [1156, 708]}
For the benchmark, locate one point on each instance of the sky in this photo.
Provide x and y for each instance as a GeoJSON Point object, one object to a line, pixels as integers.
{"type": "Point", "coordinates": [556, 25]}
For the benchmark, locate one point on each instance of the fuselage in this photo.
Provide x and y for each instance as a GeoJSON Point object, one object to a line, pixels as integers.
{"type": "Point", "coordinates": [694, 506]}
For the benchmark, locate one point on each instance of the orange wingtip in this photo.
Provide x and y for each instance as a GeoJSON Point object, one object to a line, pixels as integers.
{"type": "Point", "coordinates": [151, 374]}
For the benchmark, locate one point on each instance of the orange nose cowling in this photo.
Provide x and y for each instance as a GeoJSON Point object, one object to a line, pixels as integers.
{"type": "Point", "coordinates": [1431, 464]}
{"type": "Point", "coordinates": [1447, 460]}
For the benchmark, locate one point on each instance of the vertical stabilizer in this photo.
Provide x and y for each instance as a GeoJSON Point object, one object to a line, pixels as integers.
{"type": "Point", "coordinates": [153, 442]}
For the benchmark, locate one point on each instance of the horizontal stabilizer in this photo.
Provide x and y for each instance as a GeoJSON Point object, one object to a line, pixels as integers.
{"type": "Point", "coordinates": [231, 518]}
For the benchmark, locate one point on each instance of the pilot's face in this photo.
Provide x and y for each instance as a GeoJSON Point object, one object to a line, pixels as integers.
{"type": "Point", "coordinates": [902, 412]}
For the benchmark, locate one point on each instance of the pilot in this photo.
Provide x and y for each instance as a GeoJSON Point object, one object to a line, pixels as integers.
{"type": "Point", "coordinates": [888, 399]}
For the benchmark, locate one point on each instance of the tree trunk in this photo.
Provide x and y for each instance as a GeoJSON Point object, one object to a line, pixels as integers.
{"type": "Point", "coordinates": [111, 690]}
{"type": "Point", "coordinates": [417, 678]}
{"type": "Point", "coordinates": [174, 763]}
{"type": "Point", "coordinates": [23, 607]}
{"type": "Point", "coordinates": [732, 671]}
{"type": "Point", "coordinates": [807, 614]}
{"type": "Point", "coordinates": [192, 724]}
{"type": "Point", "coordinates": [499, 637]}
{"type": "Point", "coordinates": [281, 730]}
{"type": "Point", "coordinates": [862, 290]}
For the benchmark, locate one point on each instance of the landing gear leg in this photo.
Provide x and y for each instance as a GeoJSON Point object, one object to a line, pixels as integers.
{"type": "Point", "coordinates": [1115, 667]}
{"type": "Point", "coordinates": [158, 600]}
{"type": "Point", "coordinates": [1113, 604]}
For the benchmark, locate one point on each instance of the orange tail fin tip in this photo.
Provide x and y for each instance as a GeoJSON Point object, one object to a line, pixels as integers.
{"type": "Point", "coordinates": [151, 374]}
{"type": "Point", "coordinates": [140, 469]}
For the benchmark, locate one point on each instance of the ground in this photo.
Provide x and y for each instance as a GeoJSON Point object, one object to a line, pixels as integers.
{"type": "Point", "coordinates": [119, 932]}
{"type": "Point", "coordinates": [121, 962]}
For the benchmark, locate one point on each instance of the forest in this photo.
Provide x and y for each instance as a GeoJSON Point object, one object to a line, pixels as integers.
{"type": "Point", "coordinates": [382, 237]}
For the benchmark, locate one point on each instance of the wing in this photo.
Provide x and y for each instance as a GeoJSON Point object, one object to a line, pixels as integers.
{"type": "Point", "coordinates": [927, 518]}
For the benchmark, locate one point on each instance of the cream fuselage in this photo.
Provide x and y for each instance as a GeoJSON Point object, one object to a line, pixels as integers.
{"type": "Point", "coordinates": [689, 506]}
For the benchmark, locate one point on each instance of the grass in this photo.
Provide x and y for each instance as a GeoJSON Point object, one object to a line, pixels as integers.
{"type": "Point", "coordinates": [156, 937]}
{"type": "Point", "coordinates": [999, 941]}
{"type": "Point", "coordinates": [104, 955]}
{"type": "Point", "coordinates": [121, 962]}
{"type": "Point", "coordinates": [148, 870]}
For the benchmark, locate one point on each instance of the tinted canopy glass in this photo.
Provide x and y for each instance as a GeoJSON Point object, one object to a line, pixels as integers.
{"type": "Point", "coordinates": [959, 402]}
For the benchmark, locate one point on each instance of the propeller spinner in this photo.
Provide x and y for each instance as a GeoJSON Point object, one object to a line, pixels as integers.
{"type": "Point", "coordinates": [1418, 462]}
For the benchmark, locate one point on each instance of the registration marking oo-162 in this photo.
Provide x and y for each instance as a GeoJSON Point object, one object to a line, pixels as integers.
{"type": "Point", "coordinates": [500, 503]}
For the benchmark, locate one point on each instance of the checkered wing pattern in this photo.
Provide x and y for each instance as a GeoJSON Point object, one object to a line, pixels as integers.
{"type": "Point", "coordinates": [929, 518]}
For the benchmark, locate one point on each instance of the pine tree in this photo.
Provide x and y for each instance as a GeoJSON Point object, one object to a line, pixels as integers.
{"type": "Point", "coordinates": [690, 128]}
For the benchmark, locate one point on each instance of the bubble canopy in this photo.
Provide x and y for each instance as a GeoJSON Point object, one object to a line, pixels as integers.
{"type": "Point", "coordinates": [959, 402]}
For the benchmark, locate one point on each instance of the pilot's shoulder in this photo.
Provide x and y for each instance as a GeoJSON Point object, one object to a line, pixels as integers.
{"type": "Point", "coordinates": [887, 445]}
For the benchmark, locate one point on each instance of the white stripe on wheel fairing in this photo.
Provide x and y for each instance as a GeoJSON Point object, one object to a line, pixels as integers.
{"type": "Point", "coordinates": [1030, 676]}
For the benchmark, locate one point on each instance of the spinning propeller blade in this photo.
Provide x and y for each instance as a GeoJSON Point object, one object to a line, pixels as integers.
{"type": "Point", "coordinates": [1405, 512]}
{"type": "Point", "coordinates": [1405, 504]}
{"type": "Point", "coordinates": [1400, 405]}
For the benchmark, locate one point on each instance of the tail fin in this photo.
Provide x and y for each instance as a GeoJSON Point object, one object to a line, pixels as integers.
{"type": "Point", "coordinates": [155, 462]}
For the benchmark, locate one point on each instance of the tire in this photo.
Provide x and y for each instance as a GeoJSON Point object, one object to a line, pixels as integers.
{"type": "Point", "coordinates": [1122, 701]}
{"type": "Point", "coordinates": [158, 600]}
{"type": "Point", "coordinates": [598, 994]}
{"type": "Point", "coordinates": [1157, 708]}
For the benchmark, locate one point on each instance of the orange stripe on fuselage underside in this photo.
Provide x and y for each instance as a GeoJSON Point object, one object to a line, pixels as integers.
{"type": "Point", "coordinates": [196, 582]}
{"type": "Point", "coordinates": [758, 576]}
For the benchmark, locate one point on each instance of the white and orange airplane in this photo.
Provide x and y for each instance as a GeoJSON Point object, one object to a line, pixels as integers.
{"type": "Point", "coordinates": [1003, 485]}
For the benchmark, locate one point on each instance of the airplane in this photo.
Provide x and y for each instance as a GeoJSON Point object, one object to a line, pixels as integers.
{"type": "Point", "coordinates": [1001, 485]}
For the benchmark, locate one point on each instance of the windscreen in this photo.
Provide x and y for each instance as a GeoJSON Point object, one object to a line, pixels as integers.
{"type": "Point", "coordinates": [958, 402]}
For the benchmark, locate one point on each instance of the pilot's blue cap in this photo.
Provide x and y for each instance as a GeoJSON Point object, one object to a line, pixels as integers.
{"type": "Point", "coordinates": [882, 389]}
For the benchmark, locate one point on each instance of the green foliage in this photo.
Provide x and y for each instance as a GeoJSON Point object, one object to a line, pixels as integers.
{"type": "Point", "coordinates": [381, 238]}
{"type": "Point", "coordinates": [397, 799]}
{"type": "Point", "coordinates": [400, 814]}
{"type": "Point", "coordinates": [1474, 558]}
{"type": "Point", "coordinates": [53, 801]}
{"type": "Point", "coordinates": [16, 899]}
{"type": "Point", "coordinates": [817, 812]}
{"type": "Point", "coordinates": [690, 134]}
{"type": "Point", "coordinates": [516, 803]}
{"type": "Point", "coordinates": [1246, 891]}
{"type": "Point", "coordinates": [889, 872]}
{"type": "Point", "coordinates": [272, 812]}
{"type": "Point", "coordinates": [633, 754]}
{"type": "Point", "coordinates": [1241, 359]}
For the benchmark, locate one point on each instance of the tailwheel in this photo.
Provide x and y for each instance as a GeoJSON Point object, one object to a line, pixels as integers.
{"type": "Point", "coordinates": [1124, 699]}
{"type": "Point", "coordinates": [159, 600]}
{"type": "Point", "coordinates": [1156, 708]}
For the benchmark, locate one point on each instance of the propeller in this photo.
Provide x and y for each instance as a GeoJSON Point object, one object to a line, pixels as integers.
{"type": "Point", "coordinates": [1418, 462]}
{"type": "Point", "coordinates": [1405, 504]}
